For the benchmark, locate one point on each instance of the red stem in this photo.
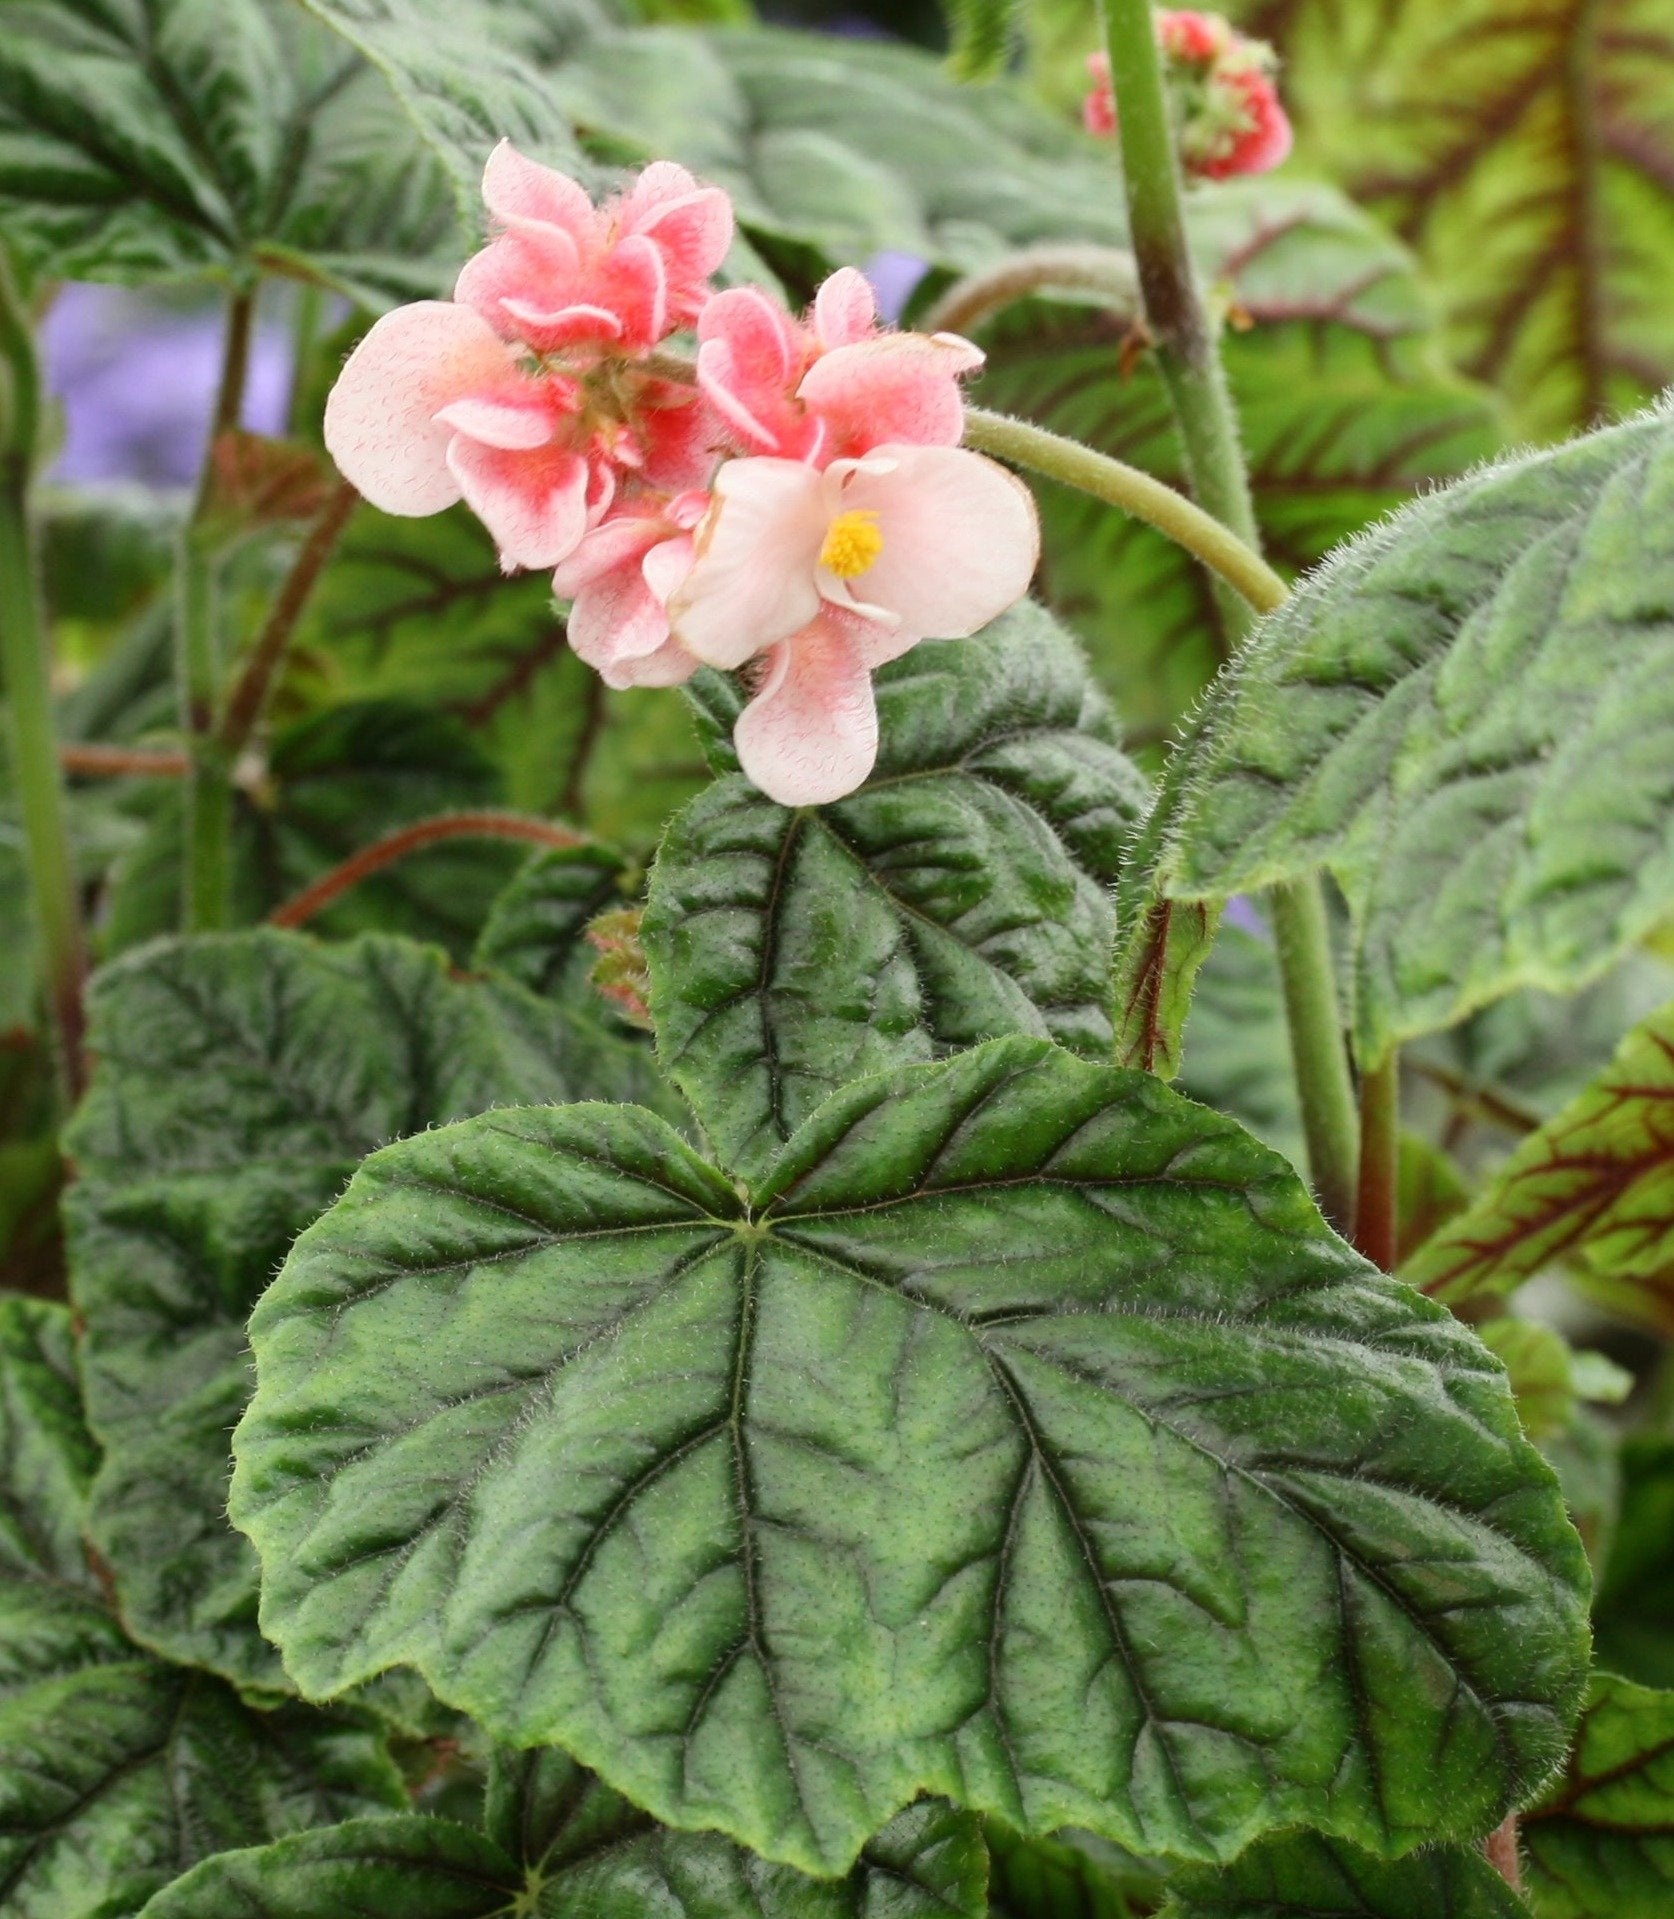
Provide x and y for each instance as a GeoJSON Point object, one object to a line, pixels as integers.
{"type": "Point", "coordinates": [1500, 1847]}
{"type": "Point", "coordinates": [381, 853]}
{"type": "Point", "coordinates": [118, 762]}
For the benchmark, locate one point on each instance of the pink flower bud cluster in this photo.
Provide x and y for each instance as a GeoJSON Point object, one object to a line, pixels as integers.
{"type": "Point", "coordinates": [1227, 113]}
{"type": "Point", "coordinates": [800, 509]}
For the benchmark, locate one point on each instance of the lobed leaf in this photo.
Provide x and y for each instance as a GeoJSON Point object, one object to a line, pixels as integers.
{"type": "Point", "coordinates": [1601, 1844]}
{"type": "Point", "coordinates": [1025, 1437]}
{"type": "Point", "coordinates": [1310, 1877]}
{"type": "Point", "coordinates": [1595, 1183]}
{"type": "Point", "coordinates": [239, 1081]}
{"type": "Point", "coordinates": [963, 892]}
{"type": "Point", "coordinates": [1468, 718]}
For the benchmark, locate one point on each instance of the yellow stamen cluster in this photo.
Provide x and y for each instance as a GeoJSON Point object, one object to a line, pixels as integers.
{"type": "Point", "coordinates": [852, 544]}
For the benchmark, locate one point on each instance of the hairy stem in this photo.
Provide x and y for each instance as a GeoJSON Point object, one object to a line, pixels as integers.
{"type": "Point", "coordinates": [28, 694]}
{"type": "Point", "coordinates": [1500, 1848]}
{"type": "Point", "coordinates": [1376, 1220]}
{"type": "Point", "coordinates": [1189, 361]}
{"type": "Point", "coordinates": [486, 825]}
{"type": "Point", "coordinates": [123, 762]}
{"type": "Point", "coordinates": [1106, 272]}
{"type": "Point", "coordinates": [249, 694]}
{"type": "Point", "coordinates": [207, 890]}
{"type": "Point", "coordinates": [1228, 556]}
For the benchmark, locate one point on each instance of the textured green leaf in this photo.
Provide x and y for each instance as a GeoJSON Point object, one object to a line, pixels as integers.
{"type": "Point", "coordinates": [962, 893]}
{"type": "Point", "coordinates": [116, 1771]}
{"type": "Point", "coordinates": [147, 139]}
{"type": "Point", "coordinates": [983, 36]}
{"type": "Point", "coordinates": [1027, 1439]}
{"type": "Point", "coordinates": [1468, 717]}
{"type": "Point", "coordinates": [1527, 151]}
{"type": "Point", "coordinates": [239, 1081]}
{"type": "Point", "coordinates": [1343, 409]}
{"type": "Point", "coordinates": [1071, 1876]}
{"type": "Point", "coordinates": [536, 932]}
{"type": "Point", "coordinates": [1600, 1845]}
{"type": "Point", "coordinates": [1634, 1631]}
{"type": "Point", "coordinates": [565, 1847]}
{"type": "Point", "coordinates": [1237, 1048]}
{"type": "Point", "coordinates": [1310, 1877]}
{"type": "Point", "coordinates": [1596, 1184]}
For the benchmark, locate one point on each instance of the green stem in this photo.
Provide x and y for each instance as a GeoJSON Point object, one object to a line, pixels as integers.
{"type": "Point", "coordinates": [1105, 272]}
{"type": "Point", "coordinates": [1189, 362]}
{"type": "Point", "coordinates": [1376, 1220]}
{"type": "Point", "coordinates": [207, 889]}
{"type": "Point", "coordinates": [28, 692]}
{"type": "Point", "coordinates": [1226, 555]}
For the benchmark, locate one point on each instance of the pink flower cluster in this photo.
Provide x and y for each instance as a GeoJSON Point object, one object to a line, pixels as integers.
{"type": "Point", "coordinates": [1228, 116]}
{"type": "Point", "coordinates": [798, 507]}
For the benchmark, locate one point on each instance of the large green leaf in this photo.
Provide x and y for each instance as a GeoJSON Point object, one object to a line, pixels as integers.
{"type": "Point", "coordinates": [1303, 1876]}
{"type": "Point", "coordinates": [1025, 1438]}
{"type": "Point", "coordinates": [1528, 153]}
{"type": "Point", "coordinates": [561, 1846]}
{"type": "Point", "coordinates": [1596, 1183]}
{"type": "Point", "coordinates": [536, 933]}
{"type": "Point", "coordinates": [116, 1771]}
{"type": "Point", "coordinates": [1468, 717]}
{"type": "Point", "coordinates": [963, 892]}
{"type": "Point", "coordinates": [1601, 1843]}
{"type": "Point", "coordinates": [1343, 409]}
{"type": "Point", "coordinates": [1632, 1627]}
{"type": "Point", "coordinates": [149, 139]}
{"type": "Point", "coordinates": [239, 1081]}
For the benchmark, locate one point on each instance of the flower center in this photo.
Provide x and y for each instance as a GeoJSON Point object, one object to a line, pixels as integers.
{"type": "Point", "coordinates": [852, 544]}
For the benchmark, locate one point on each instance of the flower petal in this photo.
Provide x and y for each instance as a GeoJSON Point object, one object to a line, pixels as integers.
{"type": "Point", "coordinates": [810, 735]}
{"type": "Point", "coordinates": [633, 284]}
{"type": "Point", "coordinates": [380, 421]}
{"type": "Point", "coordinates": [692, 228]}
{"type": "Point", "coordinates": [960, 538]}
{"type": "Point", "coordinates": [536, 268]}
{"type": "Point", "coordinates": [753, 582]}
{"type": "Point", "coordinates": [516, 190]}
{"type": "Point", "coordinates": [897, 389]}
{"type": "Point", "coordinates": [501, 423]}
{"type": "Point", "coordinates": [845, 309]}
{"type": "Point", "coordinates": [617, 542]}
{"type": "Point", "coordinates": [534, 503]}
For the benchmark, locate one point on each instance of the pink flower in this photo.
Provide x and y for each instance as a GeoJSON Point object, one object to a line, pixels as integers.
{"type": "Point", "coordinates": [1098, 110]}
{"type": "Point", "coordinates": [563, 272]}
{"type": "Point", "coordinates": [829, 574]}
{"type": "Point", "coordinates": [833, 385]}
{"type": "Point", "coordinates": [1254, 133]}
{"type": "Point", "coordinates": [620, 579]}
{"type": "Point", "coordinates": [433, 406]}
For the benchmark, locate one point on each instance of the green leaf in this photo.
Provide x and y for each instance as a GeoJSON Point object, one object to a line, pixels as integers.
{"type": "Point", "coordinates": [1529, 157]}
{"type": "Point", "coordinates": [1311, 1877]}
{"type": "Point", "coordinates": [1070, 1876]}
{"type": "Point", "coordinates": [1600, 1845]}
{"type": "Point", "coordinates": [1027, 1438]}
{"type": "Point", "coordinates": [558, 1844]}
{"type": "Point", "coordinates": [983, 36]}
{"type": "Point", "coordinates": [462, 84]}
{"type": "Point", "coordinates": [1467, 717]}
{"type": "Point", "coordinates": [1549, 1379]}
{"type": "Point", "coordinates": [1594, 1184]}
{"type": "Point", "coordinates": [239, 1081]}
{"type": "Point", "coordinates": [1631, 1617]}
{"type": "Point", "coordinates": [1343, 408]}
{"type": "Point", "coordinates": [963, 892]}
{"type": "Point", "coordinates": [116, 1771]}
{"type": "Point", "coordinates": [1237, 1047]}
{"type": "Point", "coordinates": [536, 931]}
{"type": "Point", "coordinates": [150, 142]}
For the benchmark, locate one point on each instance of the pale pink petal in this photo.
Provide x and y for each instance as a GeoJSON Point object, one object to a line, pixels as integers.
{"type": "Point", "coordinates": [380, 421]}
{"type": "Point", "coordinates": [667, 565]}
{"type": "Point", "coordinates": [615, 621]}
{"type": "Point", "coordinates": [748, 354]}
{"type": "Point", "coordinates": [535, 268]}
{"type": "Point", "coordinates": [753, 581]}
{"type": "Point", "coordinates": [810, 735]}
{"type": "Point", "coordinates": [960, 537]}
{"type": "Point", "coordinates": [633, 284]}
{"type": "Point", "coordinates": [500, 423]}
{"type": "Point", "coordinates": [617, 542]}
{"type": "Point", "coordinates": [670, 665]}
{"type": "Point", "coordinates": [656, 187]}
{"type": "Point", "coordinates": [900, 389]}
{"type": "Point", "coordinates": [692, 231]}
{"type": "Point", "coordinates": [534, 503]}
{"type": "Point", "coordinates": [552, 327]}
{"type": "Point", "coordinates": [515, 189]}
{"type": "Point", "coordinates": [845, 309]}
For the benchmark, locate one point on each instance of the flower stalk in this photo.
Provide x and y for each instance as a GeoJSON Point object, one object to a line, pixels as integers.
{"type": "Point", "coordinates": [28, 696]}
{"type": "Point", "coordinates": [1188, 359]}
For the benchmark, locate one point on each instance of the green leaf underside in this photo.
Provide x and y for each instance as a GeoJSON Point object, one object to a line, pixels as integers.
{"type": "Point", "coordinates": [962, 893]}
{"type": "Point", "coordinates": [1528, 154]}
{"type": "Point", "coordinates": [1309, 1877]}
{"type": "Point", "coordinates": [1342, 409]}
{"type": "Point", "coordinates": [1468, 718]}
{"type": "Point", "coordinates": [240, 1080]}
{"type": "Point", "coordinates": [145, 142]}
{"type": "Point", "coordinates": [1595, 1183]}
{"type": "Point", "coordinates": [116, 1771]}
{"type": "Point", "coordinates": [896, 1485]}
{"type": "Point", "coordinates": [1601, 1844]}
{"type": "Point", "coordinates": [561, 1845]}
